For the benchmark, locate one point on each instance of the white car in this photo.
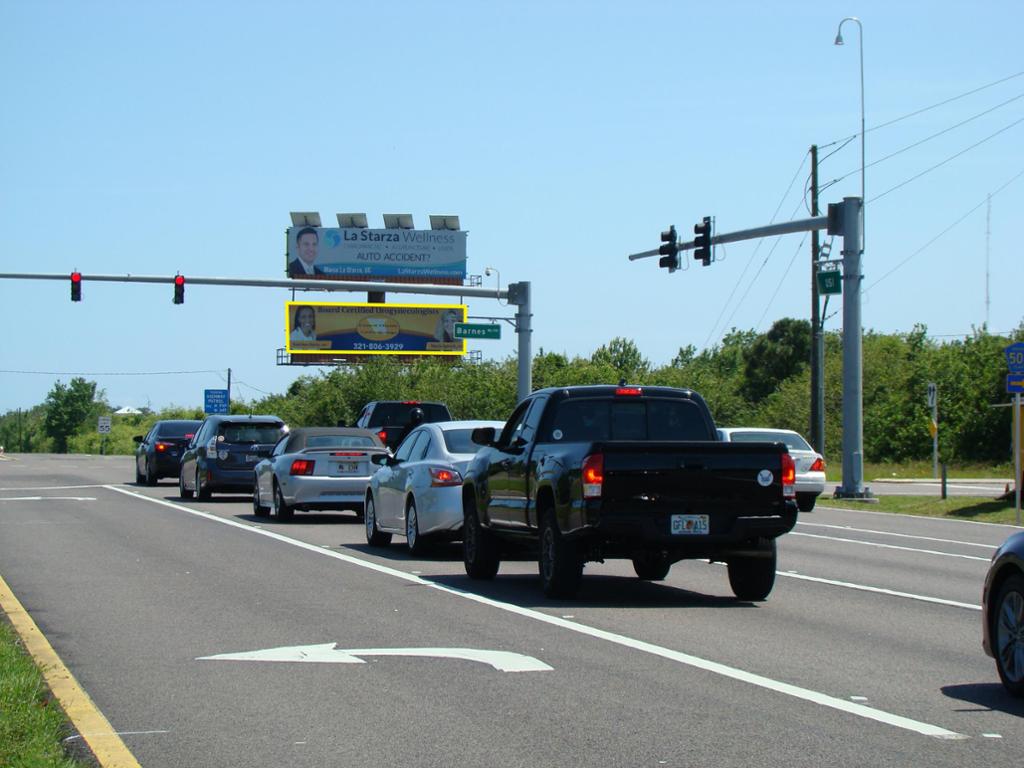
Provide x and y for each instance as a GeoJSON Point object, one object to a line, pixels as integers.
{"type": "Point", "coordinates": [810, 466]}
{"type": "Point", "coordinates": [417, 493]}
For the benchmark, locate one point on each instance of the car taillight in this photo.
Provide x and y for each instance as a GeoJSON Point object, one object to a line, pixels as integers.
{"type": "Point", "coordinates": [629, 391]}
{"type": "Point", "coordinates": [160, 447]}
{"type": "Point", "coordinates": [383, 435]}
{"type": "Point", "coordinates": [818, 465]}
{"type": "Point", "coordinates": [788, 477]}
{"type": "Point", "coordinates": [440, 477]}
{"type": "Point", "coordinates": [348, 453]}
{"type": "Point", "coordinates": [592, 476]}
{"type": "Point", "coordinates": [301, 467]}
{"type": "Point", "coordinates": [189, 435]}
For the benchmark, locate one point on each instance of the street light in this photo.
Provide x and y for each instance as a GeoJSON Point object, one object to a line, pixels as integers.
{"type": "Point", "coordinates": [839, 41]}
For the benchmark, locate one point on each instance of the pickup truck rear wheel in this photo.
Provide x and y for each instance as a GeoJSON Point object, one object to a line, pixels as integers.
{"type": "Point", "coordinates": [805, 501]}
{"type": "Point", "coordinates": [651, 567]}
{"type": "Point", "coordinates": [479, 549]}
{"type": "Point", "coordinates": [560, 564]}
{"type": "Point", "coordinates": [752, 577]}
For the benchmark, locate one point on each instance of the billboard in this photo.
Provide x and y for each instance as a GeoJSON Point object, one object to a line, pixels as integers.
{"type": "Point", "coordinates": [373, 329]}
{"type": "Point", "coordinates": [345, 253]}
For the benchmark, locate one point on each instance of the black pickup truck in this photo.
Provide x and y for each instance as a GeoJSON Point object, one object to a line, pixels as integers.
{"type": "Point", "coordinates": [586, 473]}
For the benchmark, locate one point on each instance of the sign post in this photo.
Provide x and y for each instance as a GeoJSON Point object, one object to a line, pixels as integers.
{"type": "Point", "coordinates": [1015, 385]}
{"type": "Point", "coordinates": [933, 403]}
{"type": "Point", "coordinates": [103, 427]}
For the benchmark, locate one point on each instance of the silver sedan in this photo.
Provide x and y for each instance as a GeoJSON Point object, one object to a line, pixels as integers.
{"type": "Point", "coordinates": [316, 468]}
{"type": "Point", "coordinates": [810, 465]}
{"type": "Point", "coordinates": [417, 493]}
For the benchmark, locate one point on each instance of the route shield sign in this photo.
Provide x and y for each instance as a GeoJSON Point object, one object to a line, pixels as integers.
{"type": "Point", "coordinates": [830, 282]}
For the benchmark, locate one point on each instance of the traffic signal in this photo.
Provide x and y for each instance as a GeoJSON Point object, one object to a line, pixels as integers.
{"type": "Point", "coordinates": [702, 241]}
{"type": "Point", "coordinates": [669, 249]}
{"type": "Point", "coordinates": [179, 289]}
{"type": "Point", "coordinates": [76, 286]}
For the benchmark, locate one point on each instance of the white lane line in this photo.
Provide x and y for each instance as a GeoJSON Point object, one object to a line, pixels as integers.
{"type": "Point", "coordinates": [889, 546]}
{"type": "Point", "coordinates": [950, 521]}
{"type": "Point", "coordinates": [900, 535]}
{"type": "Point", "coordinates": [879, 590]}
{"type": "Point", "coordinates": [54, 488]}
{"type": "Point", "coordinates": [805, 694]}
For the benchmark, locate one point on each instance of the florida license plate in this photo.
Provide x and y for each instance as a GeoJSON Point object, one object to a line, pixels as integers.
{"type": "Point", "coordinates": [689, 525]}
{"type": "Point", "coordinates": [347, 467]}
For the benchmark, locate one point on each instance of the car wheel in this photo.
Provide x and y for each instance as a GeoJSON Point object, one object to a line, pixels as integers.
{"type": "Point", "coordinates": [257, 503]}
{"type": "Point", "coordinates": [201, 492]}
{"type": "Point", "coordinates": [1008, 634]}
{"type": "Point", "coordinates": [374, 536]}
{"type": "Point", "coordinates": [183, 492]}
{"type": "Point", "coordinates": [479, 549]}
{"type": "Point", "coordinates": [805, 501]}
{"type": "Point", "coordinates": [560, 564]}
{"type": "Point", "coordinates": [412, 530]}
{"type": "Point", "coordinates": [651, 567]}
{"type": "Point", "coordinates": [151, 478]}
{"type": "Point", "coordinates": [281, 510]}
{"type": "Point", "coordinates": [138, 475]}
{"type": "Point", "coordinates": [753, 576]}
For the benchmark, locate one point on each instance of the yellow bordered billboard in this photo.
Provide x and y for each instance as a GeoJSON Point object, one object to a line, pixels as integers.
{"type": "Point", "coordinates": [312, 327]}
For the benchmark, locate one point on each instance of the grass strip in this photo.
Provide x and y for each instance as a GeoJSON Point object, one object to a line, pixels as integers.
{"type": "Point", "coordinates": [978, 508]}
{"type": "Point", "coordinates": [32, 724]}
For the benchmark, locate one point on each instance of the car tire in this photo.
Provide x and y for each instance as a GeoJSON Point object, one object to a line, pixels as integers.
{"type": "Point", "coordinates": [753, 576]}
{"type": "Point", "coordinates": [151, 478]}
{"type": "Point", "coordinates": [281, 510]}
{"type": "Point", "coordinates": [201, 492]}
{"type": "Point", "coordinates": [805, 501]}
{"type": "Point", "coordinates": [183, 492]}
{"type": "Point", "coordinates": [413, 541]}
{"type": "Point", "coordinates": [139, 479]}
{"type": "Point", "coordinates": [257, 503]}
{"type": "Point", "coordinates": [479, 548]}
{"type": "Point", "coordinates": [374, 536]}
{"type": "Point", "coordinates": [559, 563]}
{"type": "Point", "coordinates": [1007, 624]}
{"type": "Point", "coordinates": [651, 567]}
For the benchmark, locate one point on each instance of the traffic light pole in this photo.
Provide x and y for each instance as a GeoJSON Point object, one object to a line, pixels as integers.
{"type": "Point", "coordinates": [843, 219]}
{"type": "Point", "coordinates": [517, 294]}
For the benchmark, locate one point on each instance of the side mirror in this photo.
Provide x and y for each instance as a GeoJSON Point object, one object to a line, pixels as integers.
{"type": "Point", "coordinates": [138, 438]}
{"type": "Point", "coordinates": [380, 459]}
{"type": "Point", "coordinates": [483, 436]}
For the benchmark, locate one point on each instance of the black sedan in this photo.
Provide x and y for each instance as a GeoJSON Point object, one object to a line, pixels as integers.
{"type": "Point", "coordinates": [158, 453]}
{"type": "Point", "coordinates": [1002, 612]}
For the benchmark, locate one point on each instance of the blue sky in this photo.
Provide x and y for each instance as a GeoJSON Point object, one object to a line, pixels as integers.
{"type": "Point", "coordinates": [152, 138]}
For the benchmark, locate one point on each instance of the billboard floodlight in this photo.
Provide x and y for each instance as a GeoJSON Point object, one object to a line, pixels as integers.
{"type": "Point", "coordinates": [305, 219]}
{"type": "Point", "coordinates": [444, 222]}
{"type": "Point", "coordinates": [398, 221]}
{"type": "Point", "coordinates": [352, 221]}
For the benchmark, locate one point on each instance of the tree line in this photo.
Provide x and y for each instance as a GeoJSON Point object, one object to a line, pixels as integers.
{"type": "Point", "coordinates": [749, 379]}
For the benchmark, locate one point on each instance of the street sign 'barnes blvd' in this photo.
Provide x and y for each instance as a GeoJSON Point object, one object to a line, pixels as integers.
{"type": "Point", "coordinates": [477, 331]}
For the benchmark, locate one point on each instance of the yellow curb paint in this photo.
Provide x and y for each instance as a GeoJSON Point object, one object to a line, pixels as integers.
{"type": "Point", "coordinates": [94, 728]}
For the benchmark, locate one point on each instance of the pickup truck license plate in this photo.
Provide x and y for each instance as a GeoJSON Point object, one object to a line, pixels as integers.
{"type": "Point", "coordinates": [689, 525]}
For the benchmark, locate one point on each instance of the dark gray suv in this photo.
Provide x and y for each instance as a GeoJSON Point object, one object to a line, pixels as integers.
{"type": "Point", "coordinates": [223, 453]}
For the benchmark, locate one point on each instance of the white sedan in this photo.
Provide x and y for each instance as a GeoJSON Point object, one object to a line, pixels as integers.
{"type": "Point", "coordinates": [810, 466]}
{"type": "Point", "coordinates": [417, 493]}
{"type": "Point", "coordinates": [315, 468]}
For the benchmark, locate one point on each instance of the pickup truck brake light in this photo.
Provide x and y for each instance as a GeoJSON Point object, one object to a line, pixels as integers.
{"type": "Point", "coordinates": [628, 392]}
{"type": "Point", "coordinates": [441, 477]}
{"type": "Point", "coordinates": [788, 477]}
{"type": "Point", "coordinates": [592, 475]}
{"type": "Point", "coordinates": [818, 465]}
{"type": "Point", "coordinates": [301, 467]}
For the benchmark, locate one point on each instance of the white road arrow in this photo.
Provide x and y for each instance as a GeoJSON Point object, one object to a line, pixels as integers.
{"type": "Point", "coordinates": [503, 661]}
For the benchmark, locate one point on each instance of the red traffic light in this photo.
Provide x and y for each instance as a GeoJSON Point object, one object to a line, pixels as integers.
{"type": "Point", "coordinates": [179, 289]}
{"type": "Point", "coordinates": [76, 286]}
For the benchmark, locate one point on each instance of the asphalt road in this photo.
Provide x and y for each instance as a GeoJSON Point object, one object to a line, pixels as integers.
{"type": "Point", "coordinates": [868, 652]}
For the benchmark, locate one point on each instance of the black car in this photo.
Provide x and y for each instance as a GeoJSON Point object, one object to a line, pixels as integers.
{"type": "Point", "coordinates": [223, 453]}
{"type": "Point", "coordinates": [391, 419]}
{"type": "Point", "coordinates": [158, 453]}
{"type": "Point", "coordinates": [1002, 613]}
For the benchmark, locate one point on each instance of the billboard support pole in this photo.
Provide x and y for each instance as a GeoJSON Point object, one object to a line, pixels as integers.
{"type": "Point", "coordinates": [519, 294]}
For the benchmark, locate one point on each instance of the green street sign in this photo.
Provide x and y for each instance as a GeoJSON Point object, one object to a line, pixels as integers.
{"type": "Point", "coordinates": [830, 282]}
{"type": "Point", "coordinates": [477, 331]}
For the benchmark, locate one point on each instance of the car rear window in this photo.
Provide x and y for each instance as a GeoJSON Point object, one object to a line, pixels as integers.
{"type": "Point", "coordinates": [647, 419]}
{"type": "Point", "coordinates": [250, 433]}
{"type": "Point", "coordinates": [792, 440]}
{"type": "Point", "coordinates": [460, 441]}
{"type": "Point", "coordinates": [397, 414]}
{"type": "Point", "coordinates": [177, 429]}
{"type": "Point", "coordinates": [340, 441]}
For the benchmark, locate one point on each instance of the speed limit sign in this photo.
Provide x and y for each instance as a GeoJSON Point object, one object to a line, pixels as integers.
{"type": "Point", "coordinates": [103, 425]}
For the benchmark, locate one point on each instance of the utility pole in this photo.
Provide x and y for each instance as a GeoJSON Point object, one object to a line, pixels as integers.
{"type": "Point", "coordinates": [817, 331]}
{"type": "Point", "coordinates": [229, 390]}
{"type": "Point", "coordinates": [988, 235]}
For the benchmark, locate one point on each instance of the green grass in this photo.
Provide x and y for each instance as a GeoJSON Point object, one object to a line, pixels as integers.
{"type": "Point", "coordinates": [980, 509]}
{"type": "Point", "coordinates": [31, 723]}
{"type": "Point", "coordinates": [920, 470]}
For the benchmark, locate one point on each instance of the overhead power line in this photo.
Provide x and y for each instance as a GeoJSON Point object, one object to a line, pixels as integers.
{"type": "Point", "coordinates": [108, 373]}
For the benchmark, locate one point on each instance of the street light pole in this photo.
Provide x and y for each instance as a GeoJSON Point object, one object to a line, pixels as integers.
{"type": "Point", "coordinates": [839, 41]}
